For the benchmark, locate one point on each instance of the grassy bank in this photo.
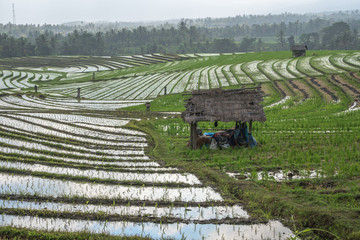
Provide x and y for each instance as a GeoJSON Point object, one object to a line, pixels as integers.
{"type": "Point", "coordinates": [16, 233]}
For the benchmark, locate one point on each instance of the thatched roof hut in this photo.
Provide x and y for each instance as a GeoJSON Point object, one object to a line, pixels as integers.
{"type": "Point", "coordinates": [299, 50]}
{"type": "Point", "coordinates": [223, 105]}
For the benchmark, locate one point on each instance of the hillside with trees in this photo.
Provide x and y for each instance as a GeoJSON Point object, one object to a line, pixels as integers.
{"type": "Point", "coordinates": [237, 34]}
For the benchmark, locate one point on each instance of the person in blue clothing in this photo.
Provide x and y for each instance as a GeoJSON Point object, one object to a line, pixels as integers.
{"type": "Point", "coordinates": [235, 135]}
{"type": "Point", "coordinates": [242, 137]}
{"type": "Point", "coordinates": [244, 130]}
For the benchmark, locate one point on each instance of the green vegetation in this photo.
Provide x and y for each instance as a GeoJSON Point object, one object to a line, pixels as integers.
{"type": "Point", "coordinates": [311, 135]}
{"type": "Point", "coordinates": [312, 130]}
{"type": "Point", "coordinates": [13, 233]}
{"type": "Point", "coordinates": [168, 103]}
{"type": "Point", "coordinates": [316, 34]}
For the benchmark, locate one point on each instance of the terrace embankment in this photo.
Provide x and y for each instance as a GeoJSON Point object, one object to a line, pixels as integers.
{"type": "Point", "coordinates": [328, 94]}
{"type": "Point", "coordinates": [301, 87]}
{"type": "Point", "coordinates": [350, 89]}
{"type": "Point", "coordinates": [284, 89]}
{"type": "Point", "coordinates": [355, 75]}
{"type": "Point", "coordinates": [71, 164]}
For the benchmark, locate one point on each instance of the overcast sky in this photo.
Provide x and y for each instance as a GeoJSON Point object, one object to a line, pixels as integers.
{"type": "Point", "coordinates": [60, 11]}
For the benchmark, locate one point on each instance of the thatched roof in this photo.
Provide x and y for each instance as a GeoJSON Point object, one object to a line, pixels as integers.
{"type": "Point", "coordinates": [224, 105]}
{"type": "Point", "coordinates": [300, 47]}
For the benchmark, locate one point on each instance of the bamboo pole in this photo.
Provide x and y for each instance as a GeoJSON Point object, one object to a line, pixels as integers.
{"type": "Point", "coordinates": [193, 135]}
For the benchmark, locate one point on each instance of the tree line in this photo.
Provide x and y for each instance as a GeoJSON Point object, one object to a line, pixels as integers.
{"type": "Point", "coordinates": [238, 26]}
{"type": "Point", "coordinates": [180, 39]}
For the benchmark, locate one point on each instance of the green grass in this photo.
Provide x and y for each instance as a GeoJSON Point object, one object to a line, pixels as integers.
{"type": "Point", "coordinates": [168, 103]}
{"type": "Point", "coordinates": [15, 233]}
{"type": "Point", "coordinates": [208, 61]}
{"type": "Point", "coordinates": [291, 139]}
{"type": "Point", "coordinates": [299, 135]}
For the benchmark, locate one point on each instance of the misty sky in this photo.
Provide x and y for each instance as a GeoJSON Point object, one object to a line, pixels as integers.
{"type": "Point", "coordinates": [60, 11]}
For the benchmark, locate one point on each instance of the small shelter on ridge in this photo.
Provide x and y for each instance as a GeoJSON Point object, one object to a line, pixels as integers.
{"type": "Point", "coordinates": [223, 105]}
{"type": "Point", "coordinates": [298, 50]}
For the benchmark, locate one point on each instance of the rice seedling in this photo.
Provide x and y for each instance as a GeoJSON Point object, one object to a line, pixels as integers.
{"type": "Point", "coordinates": [76, 157]}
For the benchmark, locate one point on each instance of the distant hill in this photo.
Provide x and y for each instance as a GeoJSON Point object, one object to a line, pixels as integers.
{"type": "Point", "coordinates": [74, 23]}
{"type": "Point", "coordinates": [275, 18]}
{"type": "Point", "coordinates": [231, 21]}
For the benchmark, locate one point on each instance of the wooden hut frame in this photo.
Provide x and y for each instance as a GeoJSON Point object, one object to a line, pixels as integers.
{"type": "Point", "coordinates": [298, 50]}
{"type": "Point", "coordinates": [223, 105]}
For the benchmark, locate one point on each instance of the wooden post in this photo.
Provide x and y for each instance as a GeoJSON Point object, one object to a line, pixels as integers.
{"type": "Point", "coordinates": [249, 133]}
{"type": "Point", "coordinates": [93, 76]}
{"type": "Point", "coordinates": [193, 135]}
{"type": "Point", "coordinates": [78, 92]}
{"type": "Point", "coordinates": [35, 88]}
{"type": "Point", "coordinates": [250, 127]}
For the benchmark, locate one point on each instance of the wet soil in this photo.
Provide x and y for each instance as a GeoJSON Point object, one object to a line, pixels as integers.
{"type": "Point", "coordinates": [129, 218]}
{"type": "Point", "coordinates": [347, 87]}
{"type": "Point", "coordinates": [311, 184]}
{"type": "Point", "coordinates": [285, 88]}
{"type": "Point", "coordinates": [280, 89]}
{"type": "Point", "coordinates": [118, 202]}
{"type": "Point", "coordinates": [328, 94]}
{"type": "Point", "coordinates": [298, 86]}
{"type": "Point", "coordinates": [355, 75]}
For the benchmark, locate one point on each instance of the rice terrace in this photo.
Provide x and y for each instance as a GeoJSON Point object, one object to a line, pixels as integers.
{"type": "Point", "coordinates": [81, 157]}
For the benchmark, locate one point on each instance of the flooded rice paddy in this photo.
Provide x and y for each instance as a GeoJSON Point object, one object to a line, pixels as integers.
{"type": "Point", "coordinates": [16, 184]}
{"type": "Point", "coordinates": [272, 230]}
{"type": "Point", "coordinates": [180, 213]}
{"type": "Point", "coordinates": [101, 174]}
{"type": "Point", "coordinates": [54, 156]}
